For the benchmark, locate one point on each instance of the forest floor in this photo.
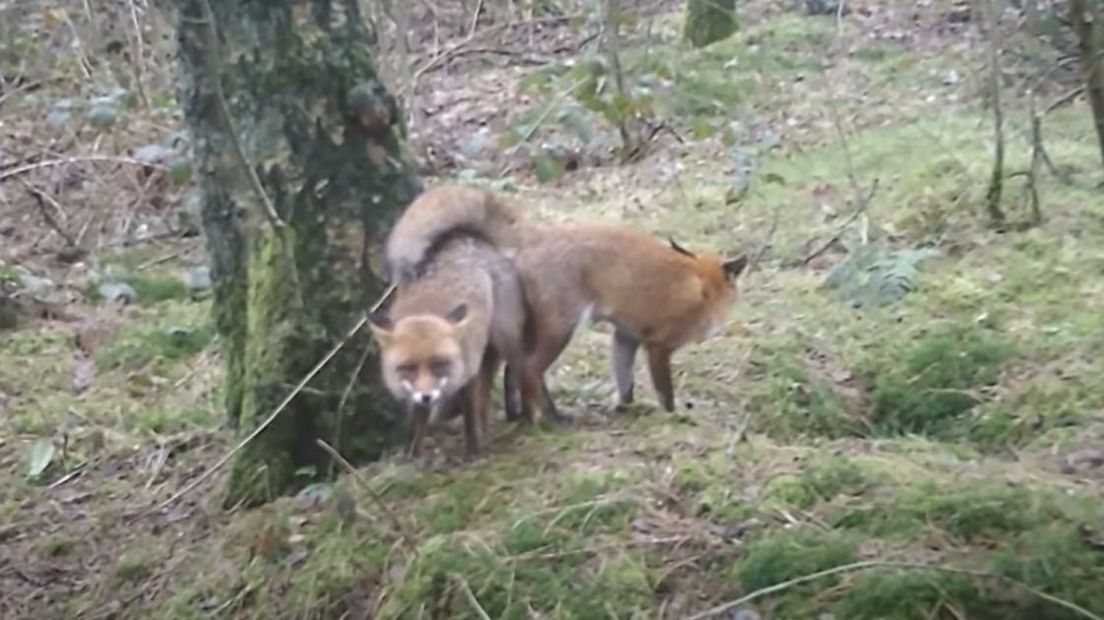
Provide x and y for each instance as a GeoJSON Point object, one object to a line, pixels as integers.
{"type": "Point", "coordinates": [920, 404]}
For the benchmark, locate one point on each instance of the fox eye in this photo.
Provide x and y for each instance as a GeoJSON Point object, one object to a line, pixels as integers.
{"type": "Point", "coordinates": [407, 370]}
{"type": "Point", "coordinates": [439, 367]}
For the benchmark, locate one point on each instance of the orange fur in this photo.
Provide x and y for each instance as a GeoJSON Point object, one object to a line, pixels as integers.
{"type": "Point", "coordinates": [656, 295]}
{"type": "Point", "coordinates": [446, 333]}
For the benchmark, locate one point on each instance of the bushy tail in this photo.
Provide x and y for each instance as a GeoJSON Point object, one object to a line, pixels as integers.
{"type": "Point", "coordinates": [444, 210]}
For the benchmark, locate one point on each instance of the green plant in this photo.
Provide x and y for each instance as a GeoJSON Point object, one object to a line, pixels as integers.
{"type": "Point", "coordinates": [876, 275]}
{"type": "Point", "coordinates": [936, 381]}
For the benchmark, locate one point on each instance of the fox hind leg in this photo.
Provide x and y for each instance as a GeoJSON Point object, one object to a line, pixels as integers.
{"type": "Point", "coordinates": [624, 354]}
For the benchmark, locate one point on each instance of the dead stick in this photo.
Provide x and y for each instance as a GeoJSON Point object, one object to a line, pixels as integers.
{"type": "Point", "coordinates": [76, 160]}
{"type": "Point", "coordinates": [856, 566]}
{"type": "Point", "coordinates": [766, 241]}
{"type": "Point", "coordinates": [364, 483]}
{"type": "Point", "coordinates": [859, 210]}
{"type": "Point", "coordinates": [40, 199]}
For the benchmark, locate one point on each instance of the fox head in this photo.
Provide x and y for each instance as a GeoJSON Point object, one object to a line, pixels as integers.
{"type": "Point", "coordinates": [421, 355]}
{"type": "Point", "coordinates": [720, 277]}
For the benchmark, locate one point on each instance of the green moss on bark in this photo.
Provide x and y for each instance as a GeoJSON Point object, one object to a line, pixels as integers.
{"type": "Point", "coordinates": [272, 352]}
{"type": "Point", "coordinates": [332, 167]}
{"type": "Point", "coordinates": [709, 21]}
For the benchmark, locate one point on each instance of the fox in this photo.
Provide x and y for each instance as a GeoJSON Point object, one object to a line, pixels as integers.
{"type": "Point", "coordinates": [454, 319]}
{"type": "Point", "coordinates": [657, 296]}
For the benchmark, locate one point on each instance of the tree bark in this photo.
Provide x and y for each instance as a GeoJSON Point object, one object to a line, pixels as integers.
{"type": "Point", "coordinates": [299, 160]}
{"type": "Point", "coordinates": [996, 178]}
{"type": "Point", "coordinates": [1084, 15]}
{"type": "Point", "coordinates": [709, 21]}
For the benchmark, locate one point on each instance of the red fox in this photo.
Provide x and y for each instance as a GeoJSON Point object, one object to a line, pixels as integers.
{"type": "Point", "coordinates": [655, 294]}
{"type": "Point", "coordinates": [453, 320]}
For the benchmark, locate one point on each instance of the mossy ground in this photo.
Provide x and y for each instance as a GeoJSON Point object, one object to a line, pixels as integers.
{"type": "Point", "coordinates": [934, 430]}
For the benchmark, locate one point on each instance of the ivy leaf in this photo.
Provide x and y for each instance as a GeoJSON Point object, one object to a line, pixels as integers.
{"type": "Point", "coordinates": [573, 118]}
{"type": "Point", "coordinates": [39, 457]}
{"type": "Point", "coordinates": [180, 170]}
{"type": "Point", "coordinates": [546, 168]}
{"type": "Point", "coordinates": [102, 114]}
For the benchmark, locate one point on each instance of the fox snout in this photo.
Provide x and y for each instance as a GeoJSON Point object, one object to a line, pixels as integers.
{"type": "Point", "coordinates": [425, 398]}
{"type": "Point", "coordinates": [425, 395]}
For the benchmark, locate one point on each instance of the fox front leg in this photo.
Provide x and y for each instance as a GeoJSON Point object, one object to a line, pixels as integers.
{"type": "Point", "coordinates": [419, 418]}
{"type": "Point", "coordinates": [659, 366]}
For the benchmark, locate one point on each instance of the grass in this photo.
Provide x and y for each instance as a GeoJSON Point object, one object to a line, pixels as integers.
{"type": "Point", "coordinates": [926, 430]}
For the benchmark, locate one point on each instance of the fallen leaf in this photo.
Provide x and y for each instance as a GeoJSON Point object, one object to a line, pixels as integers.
{"type": "Point", "coordinates": [84, 371]}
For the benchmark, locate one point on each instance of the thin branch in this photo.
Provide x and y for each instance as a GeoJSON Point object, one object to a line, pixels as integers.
{"type": "Point", "coordinates": [345, 397]}
{"type": "Point", "coordinates": [532, 129]}
{"type": "Point", "coordinates": [367, 487]}
{"type": "Point", "coordinates": [857, 566]}
{"type": "Point", "coordinates": [139, 54]}
{"type": "Point", "coordinates": [49, 163]}
{"type": "Point", "coordinates": [1037, 155]}
{"type": "Point", "coordinates": [444, 55]}
{"type": "Point", "coordinates": [159, 260]}
{"type": "Point", "coordinates": [213, 59]}
{"type": "Point", "coordinates": [847, 161]}
{"type": "Point", "coordinates": [475, 18]}
{"type": "Point", "coordinates": [993, 195]}
{"type": "Point", "coordinates": [40, 198]}
{"type": "Point", "coordinates": [1064, 99]}
{"type": "Point", "coordinates": [766, 241]}
{"type": "Point", "coordinates": [611, 43]}
{"type": "Point", "coordinates": [859, 210]}
{"type": "Point", "coordinates": [474, 602]}
{"type": "Point", "coordinates": [279, 408]}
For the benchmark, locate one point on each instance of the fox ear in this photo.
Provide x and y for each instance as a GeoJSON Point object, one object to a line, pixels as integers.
{"type": "Point", "coordinates": [678, 248]}
{"type": "Point", "coordinates": [381, 327]}
{"type": "Point", "coordinates": [457, 314]}
{"type": "Point", "coordinates": [733, 268]}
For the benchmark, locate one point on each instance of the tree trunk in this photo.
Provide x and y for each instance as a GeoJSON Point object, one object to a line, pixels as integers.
{"type": "Point", "coordinates": [1084, 16]}
{"type": "Point", "coordinates": [996, 179]}
{"type": "Point", "coordinates": [298, 153]}
{"type": "Point", "coordinates": [709, 21]}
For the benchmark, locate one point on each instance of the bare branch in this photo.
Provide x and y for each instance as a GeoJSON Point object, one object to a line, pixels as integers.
{"type": "Point", "coordinates": [857, 566]}
{"type": "Point", "coordinates": [367, 487]}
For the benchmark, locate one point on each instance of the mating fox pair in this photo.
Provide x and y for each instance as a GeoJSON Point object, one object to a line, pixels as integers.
{"type": "Point", "coordinates": [478, 282]}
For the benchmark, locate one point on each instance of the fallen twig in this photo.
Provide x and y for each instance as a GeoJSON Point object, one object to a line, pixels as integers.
{"type": "Point", "coordinates": [157, 261]}
{"type": "Point", "coordinates": [345, 398]}
{"type": "Point", "coordinates": [857, 566]}
{"type": "Point", "coordinates": [766, 241]}
{"type": "Point", "coordinates": [367, 487]}
{"type": "Point", "coordinates": [859, 210]}
{"type": "Point", "coordinates": [41, 198]}
{"type": "Point", "coordinates": [444, 55]}
{"type": "Point", "coordinates": [1064, 99]}
{"type": "Point", "coordinates": [76, 160]}
{"type": "Point", "coordinates": [474, 602]}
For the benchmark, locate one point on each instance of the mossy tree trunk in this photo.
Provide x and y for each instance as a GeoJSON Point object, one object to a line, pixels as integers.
{"type": "Point", "coordinates": [709, 21]}
{"type": "Point", "coordinates": [288, 87]}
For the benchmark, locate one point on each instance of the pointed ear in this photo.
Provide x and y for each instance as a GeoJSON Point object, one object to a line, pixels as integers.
{"type": "Point", "coordinates": [381, 327]}
{"type": "Point", "coordinates": [678, 248]}
{"type": "Point", "coordinates": [733, 268]}
{"type": "Point", "coordinates": [457, 314]}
